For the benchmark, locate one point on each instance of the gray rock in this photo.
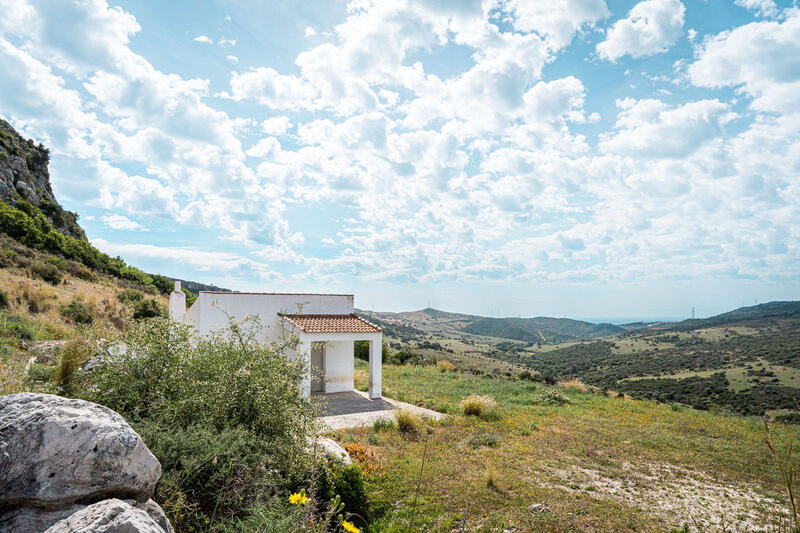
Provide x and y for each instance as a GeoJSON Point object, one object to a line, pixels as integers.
{"type": "Point", "coordinates": [46, 352]}
{"type": "Point", "coordinates": [539, 508]}
{"type": "Point", "coordinates": [32, 520]}
{"type": "Point", "coordinates": [155, 512]}
{"type": "Point", "coordinates": [331, 448]}
{"type": "Point", "coordinates": [56, 451]}
{"type": "Point", "coordinates": [107, 516]}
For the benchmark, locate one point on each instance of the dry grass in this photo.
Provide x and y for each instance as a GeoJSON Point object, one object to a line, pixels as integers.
{"type": "Point", "coordinates": [574, 385]}
{"type": "Point", "coordinates": [37, 296]}
{"type": "Point", "coordinates": [408, 422]}
{"type": "Point", "coordinates": [714, 458]}
{"type": "Point", "coordinates": [445, 366]}
{"type": "Point", "coordinates": [476, 405]}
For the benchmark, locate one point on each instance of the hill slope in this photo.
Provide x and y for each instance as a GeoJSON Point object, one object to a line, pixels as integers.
{"type": "Point", "coordinates": [529, 330]}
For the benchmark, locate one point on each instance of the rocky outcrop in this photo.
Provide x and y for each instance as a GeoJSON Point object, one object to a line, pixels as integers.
{"type": "Point", "coordinates": [24, 178]}
{"type": "Point", "coordinates": [69, 464]}
{"type": "Point", "coordinates": [107, 516]}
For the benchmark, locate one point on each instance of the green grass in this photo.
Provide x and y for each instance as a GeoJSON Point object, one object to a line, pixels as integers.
{"type": "Point", "coordinates": [533, 443]}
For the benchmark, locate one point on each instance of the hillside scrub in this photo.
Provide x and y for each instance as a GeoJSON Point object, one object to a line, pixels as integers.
{"type": "Point", "coordinates": [598, 463]}
{"type": "Point", "coordinates": [223, 414]}
{"type": "Point", "coordinates": [29, 226]}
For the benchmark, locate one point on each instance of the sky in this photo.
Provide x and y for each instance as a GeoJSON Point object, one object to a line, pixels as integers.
{"type": "Point", "coordinates": [576, 158]}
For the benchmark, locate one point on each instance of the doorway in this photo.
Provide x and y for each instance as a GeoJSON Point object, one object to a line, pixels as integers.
{"type": "Point", "coordinates": [317, 367]}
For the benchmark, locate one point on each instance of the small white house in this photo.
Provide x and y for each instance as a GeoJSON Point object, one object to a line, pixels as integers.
{"type": "Point", "coordinates": [325, 324]}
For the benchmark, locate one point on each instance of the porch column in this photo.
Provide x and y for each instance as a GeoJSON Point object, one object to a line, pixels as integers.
{"type": "Point", "coordinates": [375, 361]}
{"type": "Point", "coordinates": [304, 354]}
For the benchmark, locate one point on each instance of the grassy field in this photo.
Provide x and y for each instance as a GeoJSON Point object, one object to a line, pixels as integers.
{"type": "Point", "coordinates": [598, 463]}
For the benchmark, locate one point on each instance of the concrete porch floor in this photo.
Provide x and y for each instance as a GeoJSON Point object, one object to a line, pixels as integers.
{"type": "Point", "coordinates": [354, 409]}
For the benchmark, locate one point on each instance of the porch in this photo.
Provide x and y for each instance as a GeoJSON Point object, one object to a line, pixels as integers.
{"type": "Point", "coordinates": [326, 344]}
{"type": "Point", "coordinates": [355, 409]}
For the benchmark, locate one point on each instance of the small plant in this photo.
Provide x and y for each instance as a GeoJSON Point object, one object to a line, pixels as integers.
{"type": "Point", "coordinates": [148, 309]}
{"type": "Point", "coordinates": [483, 440]}
{"type": "Point", "coordinates": [490, 477]}
{"type": "Point", "coordinates": [788, 476]}
{"type": "Point", "coordinates": [445, 366]}
{"type": "Point", "coordinates": [407, 422]}
{"type": "Point", "coordinates": [47, 272]}
{"type": "Point", "coordinates": [72, 356]}
{"type": "Point", "coordinates": [77, 312]}
{"type": "Point", "coordinates": [552, 397]}
{"type": "Point", "coordinates": [383, 424]}
{"type": "Point", "coordinates": [480, 406]}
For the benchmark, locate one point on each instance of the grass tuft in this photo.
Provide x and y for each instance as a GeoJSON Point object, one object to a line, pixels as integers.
{"type": "Point", "coordinates": [480, 406]}
{"type": "Point", "coordinates": [408, 422]}
{"type": "Point", "coordinates": [445, 366]}
{"type": "Point", "coordinates": [573, 385]}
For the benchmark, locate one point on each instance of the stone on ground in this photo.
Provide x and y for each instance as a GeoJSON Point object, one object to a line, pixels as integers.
{"type": "Point", "coordinates": [56, 451]}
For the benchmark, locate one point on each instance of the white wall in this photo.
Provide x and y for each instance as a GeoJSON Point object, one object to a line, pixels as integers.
{"type": "Point", "coordinates": [339, 366]}
{"type": "Point", "coordinates": [207, 318]}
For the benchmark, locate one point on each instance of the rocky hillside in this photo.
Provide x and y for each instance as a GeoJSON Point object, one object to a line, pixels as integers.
{"type": "Point", "coordinates": [24, 177]}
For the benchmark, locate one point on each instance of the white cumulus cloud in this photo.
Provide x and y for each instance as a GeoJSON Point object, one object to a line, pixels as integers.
{"type": "Point", "coordinates": [652, 26]}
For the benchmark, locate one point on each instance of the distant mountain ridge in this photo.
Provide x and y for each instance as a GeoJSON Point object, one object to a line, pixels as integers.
{"type": "Point", "coordinates": [776, 309]}
{"type": "Point", "coordinates": [532, 330]}
{"type": "Point", "coordinates": [550, 330]}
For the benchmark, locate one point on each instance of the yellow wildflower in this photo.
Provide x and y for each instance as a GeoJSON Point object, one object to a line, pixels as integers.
{"type": "Point", "coordinates": [350, 528]}
{"type": "Point", "coordinates": [298, 498]}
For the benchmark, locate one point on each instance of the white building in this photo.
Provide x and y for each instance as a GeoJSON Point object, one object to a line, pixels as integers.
{"type": "Point", "coordinates": [325, 324]}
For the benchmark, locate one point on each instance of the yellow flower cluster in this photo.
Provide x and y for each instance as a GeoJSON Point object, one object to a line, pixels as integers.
{"type": "Point", "coordinates": [298, 498]}
{"type": "Point", "coordinates": [350, 528]}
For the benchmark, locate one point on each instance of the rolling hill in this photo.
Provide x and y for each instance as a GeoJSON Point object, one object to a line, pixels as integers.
{"type": "Point", "coordinates": [538, 330]}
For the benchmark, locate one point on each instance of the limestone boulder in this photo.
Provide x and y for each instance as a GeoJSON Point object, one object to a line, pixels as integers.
{"type": "Point", "coordinates": [330, 448]}
{"type": "Point", "coordinates": [107, 516]}
{"type": "Point", "coordinates": [57, 451]}
{"type": "Point", "coordinates": [35, 520]}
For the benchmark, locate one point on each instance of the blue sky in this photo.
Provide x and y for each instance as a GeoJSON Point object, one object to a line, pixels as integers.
{"type": "Point", "coordinates": [572, 158]}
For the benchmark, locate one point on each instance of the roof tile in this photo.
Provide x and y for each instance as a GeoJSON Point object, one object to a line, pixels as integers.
{"type": "Point", "coordinates": [350, 323]}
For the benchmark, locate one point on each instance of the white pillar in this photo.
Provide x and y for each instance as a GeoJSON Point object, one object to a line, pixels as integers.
{"type": "Point", "coordinates": [375, 361]}
{"type": "Point", "coordinates": [303, 351]}
{"type": "Point", "coordinates": [177, 302]}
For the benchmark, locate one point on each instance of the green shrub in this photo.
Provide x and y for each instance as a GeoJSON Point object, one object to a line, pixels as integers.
{"type": "Point", "coordinates": [16, 327]}
{"type": "Point", "coordinates": [361, 351]}
{"type": "Point", "coordinates": [40, 373]}
{"type": "Point", "coordinates": [3, 300]}
{"type": "Point", "coordinates": [404, 358]}
{"type": "Point", "coordinates": [488, 440]}
{"type": "Point", "coordinates": [77, 312]}
{"type": "Point", "coordinates": [5, 352]}
{"type": "Point", "coordinates": [47, 272]}
{"type": "Point", "coordinates": [148, 308]}
{"type": "Point", "coordinates": [383, 423]}
{"type": "Point", "coordinates": [552, 397]}
{"type": "Point", "coordinates": [223, 414]}
{"type": "Point", "coordinates": [130, 296]}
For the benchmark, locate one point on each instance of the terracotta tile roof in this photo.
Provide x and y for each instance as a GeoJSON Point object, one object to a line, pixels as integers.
{"type": "Point", "coordinates": [332, 323]}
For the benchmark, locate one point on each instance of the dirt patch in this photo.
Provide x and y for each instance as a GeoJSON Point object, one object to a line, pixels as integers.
{"type": "Point", "coordinates": [678, 495]}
